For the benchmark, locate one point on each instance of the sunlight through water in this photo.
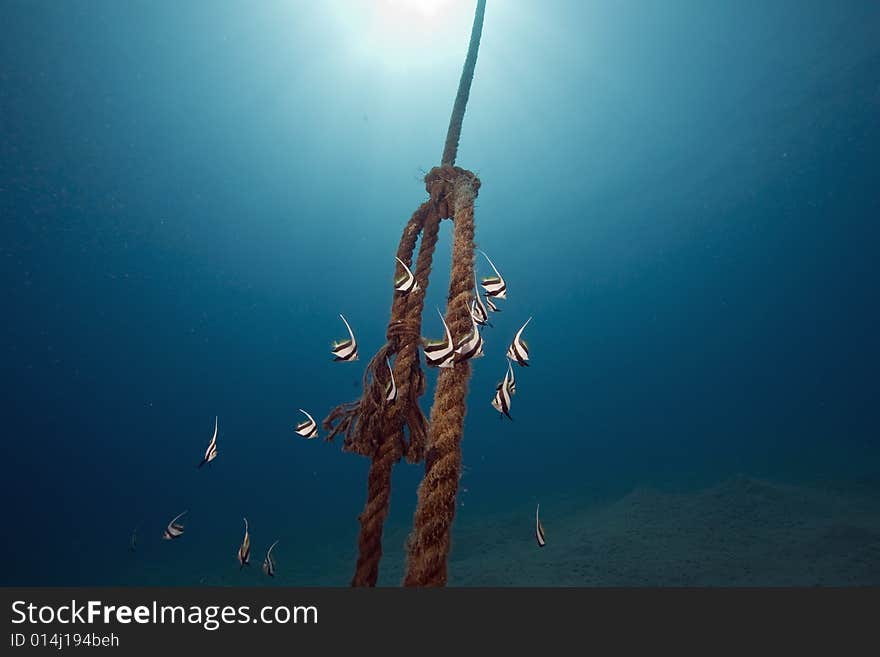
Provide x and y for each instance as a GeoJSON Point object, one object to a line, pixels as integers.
{"type": "Point", "coordinates": [404, 35]}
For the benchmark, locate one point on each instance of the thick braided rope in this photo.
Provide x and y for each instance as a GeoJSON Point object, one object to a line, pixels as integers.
{"type": "Point", "coordinates": [410, 381]}
{"type": "Point", "coordinates": [361, 422]}
{"type": "Point", "coordinates": [381, 434]}
{"type": "Point", "coordinates": [371, 427]}
{"type": "Point", "coordinates": [387, 441]}
{"type": "Point", "coordinates": [372, 518]}
{"type": "Point", "coordinates": [428, 544]}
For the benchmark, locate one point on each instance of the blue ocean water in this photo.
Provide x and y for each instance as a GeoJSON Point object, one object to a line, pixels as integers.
{"type": "Point", "coordinates": [683, 194]}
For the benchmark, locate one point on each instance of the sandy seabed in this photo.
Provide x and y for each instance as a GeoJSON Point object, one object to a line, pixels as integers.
{"type": "Point", "coordinates": [740, 532]}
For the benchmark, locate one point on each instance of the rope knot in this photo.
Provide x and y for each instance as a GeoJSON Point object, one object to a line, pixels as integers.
{"type": "Point", "coordinates": [440, 183]}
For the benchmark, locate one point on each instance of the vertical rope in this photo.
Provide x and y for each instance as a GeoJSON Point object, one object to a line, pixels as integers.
{"type": "Point", "coordinates": [453, 134]}
{"type": "Point", "coordinates": [372, 518]}
{"type": "Point", "coordinates": [373, 428]}
{"type": "Point", "coordinates": [428, 544]}
{"type": "Point", "coordinates": [410, 385]}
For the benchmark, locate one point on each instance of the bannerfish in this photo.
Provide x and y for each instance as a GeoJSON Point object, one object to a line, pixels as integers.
{"type": "Point", "coordinates": [501, 400]}
{"type": "Point", "coordinates": [494, 285]}
{"type": "Point", "coordinates": [174, 528]}
{"type": "Point", "coordinates": [211, 452]}
{"type": "Point", "coordinates": [345, 350]}
{"type": "Point", "coordinates": [478, 310]}
{"type": "Point", "coordinates": [519, 349]}
{"type": "Point", "coordinates": [472, 345]}
{"type": "Point", "coordinates": [511, 384]}
{"type": "Point", "coordinates": [307, 428]}
{"type": "Point", "coordinates": [269, 561]}
{"type": "Point", "coordinates": [407, 281]}
{"type": "Point", "coordinates": [244, 552]}
{"type": "Point", "coordinates": [440, 353]}
{"type": "Point", "coordinates": [391, 387]}
{"type": "Point", "coordinates": [539, 528]}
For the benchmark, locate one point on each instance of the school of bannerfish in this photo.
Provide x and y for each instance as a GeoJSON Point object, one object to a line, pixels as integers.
{"type": "Point", "coordinates": [442, 353]}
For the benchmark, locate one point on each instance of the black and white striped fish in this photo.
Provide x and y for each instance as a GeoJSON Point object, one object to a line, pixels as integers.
{"type": "Point", "coordinates": [244, 551]}
{"type": "Point", "coordinates": [511, 384]}
{"type": "Point", "coordinates": [269, 561]}
{"type": "Point", "coordinates": [539, 528]}
{"type": "Point", "coordinates": [391, 387]}
{"type": "Point", "coordinates": [407, 281]}
{"type": "Point", "coordinates": [307, 428]}
{"type": "Point", "coordinates": [440, 353]}
{"type": "Point", "coordinates": [346, 350]}
{"type": "Point", "coordinates": [501, 400]}
{"type": "Point", "coordinates": [519, 348]}
{"type": "Point", "coordinates": [478, 310]}
{"type": "Point", "coordinates": [174, 528]}
{"type": "Point", "coordinates": [494, 285]}
{"type": "Point", "coordinates": [211, 452]}
{"type": "Point", "coordinates": [472, 345]}
{"type": "Point", "coordinates": [492, 306]}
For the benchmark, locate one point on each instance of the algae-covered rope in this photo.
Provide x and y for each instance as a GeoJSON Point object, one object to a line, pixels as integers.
{"type": "Point", "coordinates": [428, 544]}
{"type": "Point", "coordinates": [372, 427]}
{"type": "Point", "coordinates": [386, 433]}
{"type": "Point", "coordinates": [429, 541]}
{"type": "Point", "coordinates": [405, 412]}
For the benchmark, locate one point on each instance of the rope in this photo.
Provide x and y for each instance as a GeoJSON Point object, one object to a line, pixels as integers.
{"type": "Point", "coordinates": [371, 426]}
{"type": "Point", "coordinates": [388, 432]}
{"type": "Point", "coordinates": [450, 149]}
{"type": "Point", "coordinates": [357, 421]}
{"type": "Point", "coordinates": [428, 544]}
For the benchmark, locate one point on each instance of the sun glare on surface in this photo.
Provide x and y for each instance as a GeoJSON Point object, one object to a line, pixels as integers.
{"type": "Point", "coordinates": [426, 8]}
{"type": "Point", "coordinates": [405, 34]}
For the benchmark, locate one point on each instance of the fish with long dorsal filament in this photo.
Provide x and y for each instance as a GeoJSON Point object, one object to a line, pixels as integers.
{"type": "Point", "coordinates": [492, 306]}
{"type": "Point", "coordinates": [519, 348]}
{"type": "Point", "coordinates": [407, 281]}
{"type": "Point", "coordinates": [269, 561]}
{"type": "Point", "coordinates": [478, 309]}
{"type": "Point", "coordinates": [501, 400]}
{"type": "Point", "coordinates": [308, 428]}
{"type": "Point", "coordinates": [440, 353]}
{"type": "Point", "coordinates": [244, 551]}
{"type": "Point", "coordinates": [345, 350]}
{"type": "Point", "coordinates": [472, 345]}
{"type": "Point", "coordinates": [174, 528]}
{"type": "Point", "coordinates": [211, 451]}
{"type": "Point", "coordinates": [539, 528]}
{"type": "Point", "coordinates": [511, 384]}
{"type": "Point", "coordinates": [391, 386]}
{"type": "Point", "coordinates": [494, 285]}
